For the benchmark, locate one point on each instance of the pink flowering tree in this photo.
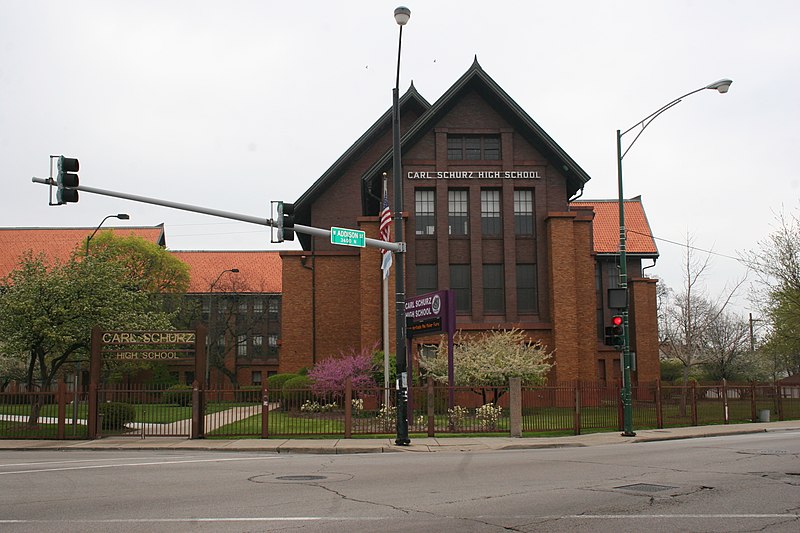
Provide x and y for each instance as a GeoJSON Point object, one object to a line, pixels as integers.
{"type": "Point", "coordinates": [329, 375]}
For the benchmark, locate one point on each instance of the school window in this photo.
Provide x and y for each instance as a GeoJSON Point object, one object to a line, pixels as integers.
{"type": "Point", "coordinates": [425, 211]}
{"type": "Point", "coordinates": [493, 293]}
{"type": "Point", "coordinates": [258, 306]}
{"type": "Point", "coordinates": [241, 345]}
{"type": "Point", "coordinates": [255, 377]}
{"type": "Point", "coordinates": [243, 307]}
{"type": "Point", "coordinates": [426, 278]}
{"type": "Point", "coordinates": [273, 307]}
{"type": "Point", "coordinates": [272, 343]}
{"type": "Point", "coordinates": [527, 297]}
{"type": "Point", "coordinates": [457, 215]}
{"type": "Point", "coordinates": [491, 223]}
{"type": "Point", "coordinates": [460, 284]}
{"type": "Point", "coordinates": [473, 147]}
{"type": "Point", "coordinates": [523, 212]}
{"type": "Point", "coordinates": [258, 344]}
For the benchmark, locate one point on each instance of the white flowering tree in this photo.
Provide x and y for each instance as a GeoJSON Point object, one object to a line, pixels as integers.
{"type": "Point", "coordinates": [487, 361]}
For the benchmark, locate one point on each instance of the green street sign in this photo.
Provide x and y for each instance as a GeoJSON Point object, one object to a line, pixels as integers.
{"type": "Point", "coordinates": [348, 237]}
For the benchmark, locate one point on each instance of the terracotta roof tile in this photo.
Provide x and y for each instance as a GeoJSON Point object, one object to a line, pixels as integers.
{"type": "Point", "coordinates": [57, 243]}
{"type": "Point", "coordinates": [259, 271]}
{"type": "Point", "coordinates": [606, 227]}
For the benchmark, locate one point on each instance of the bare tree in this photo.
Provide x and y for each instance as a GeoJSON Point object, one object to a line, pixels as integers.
{"type": "Point", "coordinates": [688, 318]}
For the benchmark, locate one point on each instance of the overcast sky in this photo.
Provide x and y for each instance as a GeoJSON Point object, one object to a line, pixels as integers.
{"type": "Point", "coordinates": [232, 104]}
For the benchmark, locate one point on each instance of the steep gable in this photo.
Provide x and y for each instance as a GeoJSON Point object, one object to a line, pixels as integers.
{"type": "Point", "coordinates": [477, 80]}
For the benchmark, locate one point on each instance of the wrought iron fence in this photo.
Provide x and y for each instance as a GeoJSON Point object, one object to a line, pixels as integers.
{"type": "Point", "coordinates": [434, 410]}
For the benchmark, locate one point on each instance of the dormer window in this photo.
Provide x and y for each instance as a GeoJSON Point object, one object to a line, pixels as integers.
{"type": "Point", "coordinates": [473, 147]}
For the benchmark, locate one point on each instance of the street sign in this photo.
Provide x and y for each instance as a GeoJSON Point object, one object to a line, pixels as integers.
{"type": "Point", "coordinates": [348, 237]}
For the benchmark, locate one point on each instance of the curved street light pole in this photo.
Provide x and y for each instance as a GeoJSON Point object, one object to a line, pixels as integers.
{"type": "Point", "coordinates": [627, 409]}
{"type": "Point", "coordinates": [121, 216]}
{"type": "Point", "coordinates": [401, 16]}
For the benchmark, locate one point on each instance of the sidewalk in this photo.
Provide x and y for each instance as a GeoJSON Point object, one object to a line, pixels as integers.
{"type": "Point", "coordinates": [451, 444]}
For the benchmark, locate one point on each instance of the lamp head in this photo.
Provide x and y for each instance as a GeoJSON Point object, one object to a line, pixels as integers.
{"type": "Point", "coordinates": [721, 85]}
{"type": "Point", "coordinates": [124, 216]}
{"type": "Point", "coordinates": [401, 15]}
{"type": "Point", "coordinates": [234, 270]}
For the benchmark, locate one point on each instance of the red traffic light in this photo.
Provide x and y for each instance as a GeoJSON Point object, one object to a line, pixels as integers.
{"type": "Point", "coordinates": [616, 320]}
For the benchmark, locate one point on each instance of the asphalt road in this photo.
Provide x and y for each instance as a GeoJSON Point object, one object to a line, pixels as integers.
{"type": "Point", "coordinates": [734, 483]}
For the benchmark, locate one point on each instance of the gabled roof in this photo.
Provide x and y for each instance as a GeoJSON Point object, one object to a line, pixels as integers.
{"type": "Point", "coordinates": [639, 239]}
{"type": "Point", "coordinates": [259, 271]}
{"type": "Point", "coordinates": [384, 123]}
{"type": "Point", "coordinates": [59, 243]}
{"type": "Point", "coordinates": [476, 78]}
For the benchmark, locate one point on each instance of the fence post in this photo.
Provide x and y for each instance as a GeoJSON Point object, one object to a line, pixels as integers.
{"type": "Point", "coordinates": [694, 403]}
{"type": "Point", "coordinates": [659, 406]}
{"type": "Point", "coordinates": [576, 415]}
{"type": "Point", "coordinates": [431, 408]}
{"type": "Point", "coordinates": [265, 410]}
{"type": "Point", "coordinates": [753, 401]}
{"type": "Point", "coordinates": [197, 412]}
{"type": "Point", "coordinates": [515, 406]}
{"type": "Point", "coordinates": [726, 415]}
{"type": "Point", "coordinates": [348, 408]}
{"type": "Point", "coordinates": [62, 410]}
{"type": "Point", "coordinates": [91, 423]}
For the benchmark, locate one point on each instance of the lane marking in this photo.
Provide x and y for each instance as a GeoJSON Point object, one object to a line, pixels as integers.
{"type": "Point", "coordinates": [200, 519]}
{"type": "Point", "coordinates": [35, 463]}
{"type": "Point", "coordinates": [155, 463]}
{"type": "Point", "coordinates": [715, 516]}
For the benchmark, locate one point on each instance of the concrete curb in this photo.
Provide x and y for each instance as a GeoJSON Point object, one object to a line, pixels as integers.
{"type": "Point", "coordinates": [383, 445]}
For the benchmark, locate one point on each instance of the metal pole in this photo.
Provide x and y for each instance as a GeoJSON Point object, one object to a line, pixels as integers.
{"type": "Point", "coordinates": [625, 396]}
{"type": "Point", "coordinates": [298, 228]}
{"type": "Point", "coordinates": [399, 274]}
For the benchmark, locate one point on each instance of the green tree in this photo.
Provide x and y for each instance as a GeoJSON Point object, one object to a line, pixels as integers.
{"type": "Point", "coordinates": [490, 359]}
{"type": "Point", "coordinates": [146, 266]}
{"type": "Point", "coordinates": [776, 264]}
{"type": "Point", "coordinates": [48, 309]}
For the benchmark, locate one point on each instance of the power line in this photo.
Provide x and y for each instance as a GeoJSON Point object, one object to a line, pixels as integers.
{"type": "Point", "coordinates": [686, 245]}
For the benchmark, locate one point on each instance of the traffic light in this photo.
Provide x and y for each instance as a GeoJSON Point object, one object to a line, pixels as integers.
{"type": "Point", "coordinates": [615, 333]}
{"type": "Point", "coordinates": [66, 180]}
{"type": "Point", "coordinates": [285, 222]}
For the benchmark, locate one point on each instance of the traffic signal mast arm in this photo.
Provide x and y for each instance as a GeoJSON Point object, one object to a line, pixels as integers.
{"type": "Point", "coordinates": [308, 230]}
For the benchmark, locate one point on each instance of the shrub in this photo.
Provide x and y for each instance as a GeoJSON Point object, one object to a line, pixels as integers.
{"type": "Point", "coordinates": [276, 381]}
{"type": "Point", "coordinates": [178, 395]}
{"type": "Point", "coordinates": [330, 375]}
{"type": "Point", "coordinates": [116, 414]}
{"type": "Point", "coordinates": [387, 416]}
{"type": "Point", "coordinates": [456, 417]}
{"type": "Point", "coordinates": [488, 415]}
{"type": "Point", "coordinates": [295, 391]}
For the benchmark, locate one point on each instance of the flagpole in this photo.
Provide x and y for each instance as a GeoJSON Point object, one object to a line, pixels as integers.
{"type": "Point", "coordinates": [386, 391]}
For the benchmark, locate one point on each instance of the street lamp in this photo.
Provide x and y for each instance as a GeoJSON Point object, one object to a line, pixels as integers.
{"type": "Point", "coordinates": [401, 15]}
{"type": "Point", "coordinates": [121, 216]}
{"type": "Point", "coordinates": [627, 410]}
{"type": "Point", "coordinates": [212, 336]}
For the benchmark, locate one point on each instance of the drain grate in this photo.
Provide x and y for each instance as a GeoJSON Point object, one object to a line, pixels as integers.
{"type": "Point", "coordinates": [301, 478]}
{"type": "Point", "coordinates": [646, 487]}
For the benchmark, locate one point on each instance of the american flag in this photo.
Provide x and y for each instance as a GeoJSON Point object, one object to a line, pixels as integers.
{"type": "Point", "coordinates": [385, 229]}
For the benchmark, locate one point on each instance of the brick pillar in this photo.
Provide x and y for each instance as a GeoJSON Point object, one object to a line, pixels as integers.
{"type": "Point", "coordinates": [585, 295]}
{"type": "Point", "coordinates": [645, 329]}
{"type": "Point", "coordinates": [563, 304]}
{"type": "Point", "coordinates": [296, 339]}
